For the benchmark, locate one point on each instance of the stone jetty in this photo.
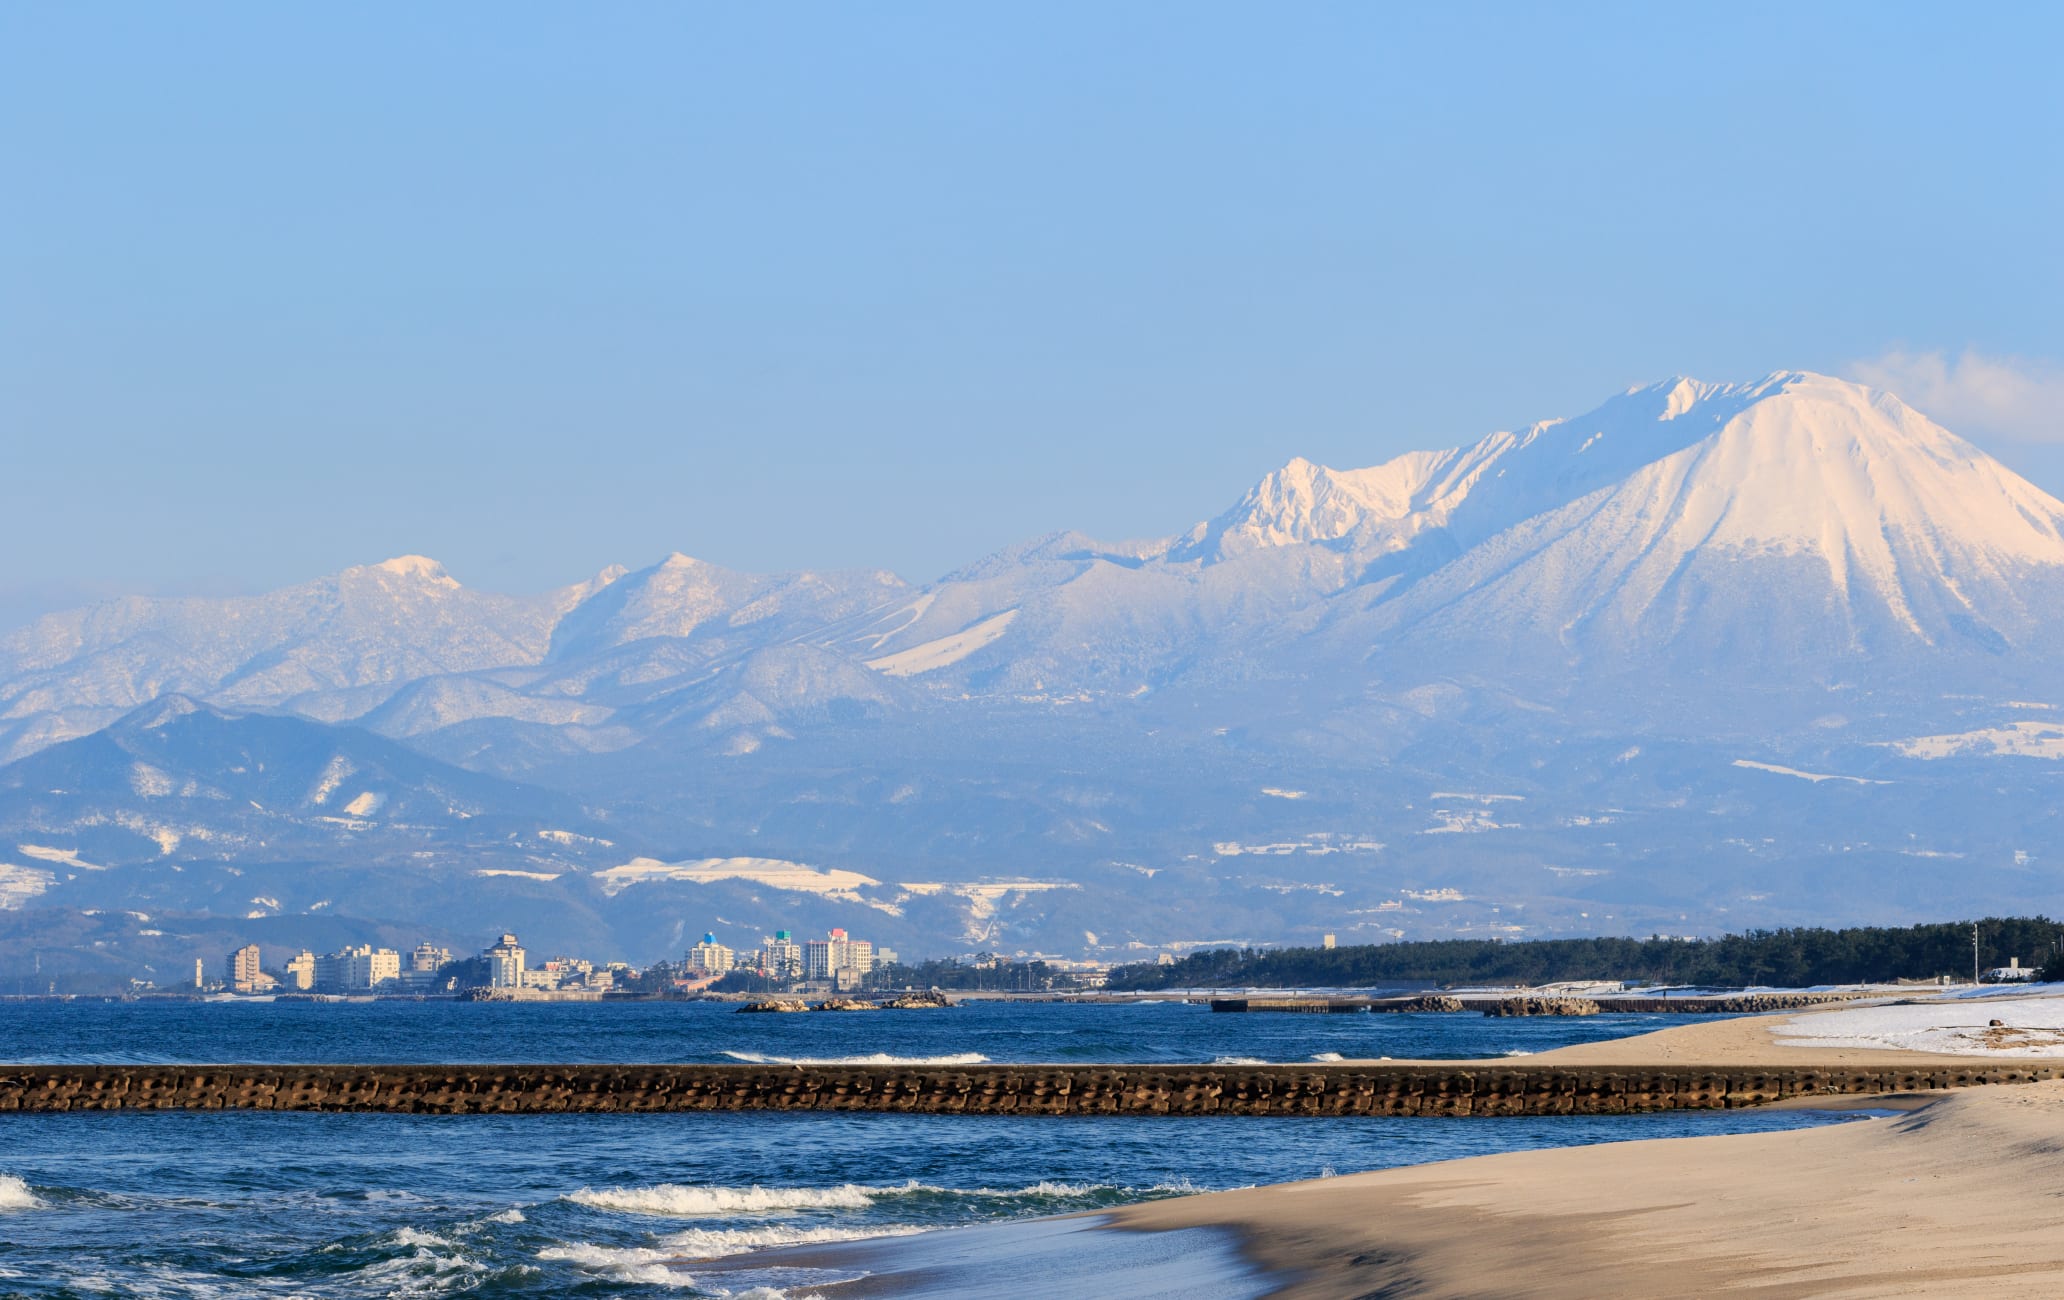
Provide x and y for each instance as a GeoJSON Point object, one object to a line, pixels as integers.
{"type": "Point", "coordinates": [1375, 1089]}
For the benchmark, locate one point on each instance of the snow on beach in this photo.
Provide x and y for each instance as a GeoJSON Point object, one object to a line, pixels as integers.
{"type": "Point", "coordinates": [2029, 1026]}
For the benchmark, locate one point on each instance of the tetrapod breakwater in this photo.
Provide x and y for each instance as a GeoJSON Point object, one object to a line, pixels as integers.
{"type": "Point", "coordinates": [1367, 1089]}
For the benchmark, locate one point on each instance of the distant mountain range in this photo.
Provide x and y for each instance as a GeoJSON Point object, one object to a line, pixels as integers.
{"type": "Point", "coordinates": [1705, 657]}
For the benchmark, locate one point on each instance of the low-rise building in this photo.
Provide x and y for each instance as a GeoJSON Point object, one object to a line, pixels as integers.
{"type": "Point", "coordinates": [428, 957]}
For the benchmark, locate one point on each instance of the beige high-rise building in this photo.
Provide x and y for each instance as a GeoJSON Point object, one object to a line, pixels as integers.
{"type": "Point", "coordinates": [241, 971]}
{"type": "Point", "coordinates": [300, 972]}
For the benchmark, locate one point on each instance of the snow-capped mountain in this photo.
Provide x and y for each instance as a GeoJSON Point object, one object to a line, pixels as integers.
{"type": "Point", "coordinates": [319, 646]}
{"type": "Point", "coordinates": [1810, 526]}
{"type": "Point", "coordinates": [1706, 655]}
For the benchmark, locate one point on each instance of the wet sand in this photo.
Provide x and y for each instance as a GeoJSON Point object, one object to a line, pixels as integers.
{"type": "Point", "coordinates": [1075, 1255]}
{"type": "Point", "coordinates": [1962, 1195]}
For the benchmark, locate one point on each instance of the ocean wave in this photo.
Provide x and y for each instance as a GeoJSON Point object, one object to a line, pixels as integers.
{"type": "Point", "coordinates": [15, 1194]}
{"type": "Point", "coordinates": [433, 1266]}
{"type": "Point", "coordinates": [645, 1266]}
{"type": "Point", "coordinates": [1237, 1060]}
{"type": "Point", "coordinates": [637, 1264]}
{"type": "Point", "coordinates": [1327, 1056]}
{"type": "Point", "coordinates": [679, 1201]}
{"type": "Point", "coordinates": [876, 1058]}
{"type": "Point", "coordinates": [1516, 1051]}
{"type": "Point", "coordinates": [715, 1243]}
{"type": "Point", "coordinates": [426, 1240]}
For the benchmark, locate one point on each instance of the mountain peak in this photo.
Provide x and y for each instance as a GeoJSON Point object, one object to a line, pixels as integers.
{"type": "Point", "coordinates": [415, 568]}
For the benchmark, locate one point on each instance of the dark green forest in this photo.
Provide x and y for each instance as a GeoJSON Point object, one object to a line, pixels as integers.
{"type": "Point", "coordinates": [1792, 957]}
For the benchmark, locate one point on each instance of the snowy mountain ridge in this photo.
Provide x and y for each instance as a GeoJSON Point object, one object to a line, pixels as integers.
{"type": "Point", "coordinates": [1705, 656]}
{"type": "Point", "coordinates": [1868, 527]}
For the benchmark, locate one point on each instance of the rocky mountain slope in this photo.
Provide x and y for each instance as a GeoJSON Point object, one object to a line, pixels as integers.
{"type": "Point", "coordinates": [1708, 655]}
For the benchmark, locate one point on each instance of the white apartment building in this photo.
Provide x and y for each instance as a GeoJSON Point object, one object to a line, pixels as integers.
{"type": "Point", "coordinates": [300, 972]}
{"type": "Point", "coordinates": [428, 958]}
{"type": "Point", "coordinates": [710, 957]}
{"type": "Point", "coordinates": [781, 956]}
{"type": "Point", "coordinates": [357, 970]}
{"type": "Point", "coordinates": [505, 963]}
{"type": "Point", "coordinates": [837, 954]}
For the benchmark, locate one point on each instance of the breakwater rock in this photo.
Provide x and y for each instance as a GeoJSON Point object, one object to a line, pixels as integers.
{"type": "Point", "coordinates": [1540, 1007]}
{"type": "Point", "coordinates": [1435, 1002]}
{"type": "Point", "coordinates": [928, 1001]}
{"type": "Point", "coordinates": [775, 1006]}
{"type": "Point", "coordinates": [1344, 1090]}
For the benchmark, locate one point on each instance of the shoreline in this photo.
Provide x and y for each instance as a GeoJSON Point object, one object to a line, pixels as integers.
{"type": "Point", "coordinates": [1949, 1195]}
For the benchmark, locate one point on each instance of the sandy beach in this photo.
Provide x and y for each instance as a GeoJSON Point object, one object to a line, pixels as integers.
{"type": "Point", "coordinates": [1958, 1195]}
{"type": "Point", "coordinates": [1957, 1198]}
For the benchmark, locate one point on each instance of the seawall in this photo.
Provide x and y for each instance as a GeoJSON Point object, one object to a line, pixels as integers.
{"type": "Point", "coordinates": [1346, 1090]}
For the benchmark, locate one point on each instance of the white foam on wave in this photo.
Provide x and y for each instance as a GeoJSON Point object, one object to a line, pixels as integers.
{"type": "Point", "coordinates": [1517, 1051]}
{"type": "Point", "coordinates": [434, 1266]}
{"type": "Point", "coordinates": [411, 1237]}
{"type": "Point", "coordinates": [715, 1243]}
{"type": "Point", "coordinates": [876, 1058]}
{"type": "Point", "coordinates": [1327, 1056]}
{"type": "Point", "coordinates": [645, 1266]}
{"type": "Point", "coordinates": [679, 1201]}
{"type": "Point", "coordinates": [1237, 1060]}
{"type": "Point", "coordinates": [15, 1194]}
{"type": "Point", "coordinates": [682, 1202]}
{"type": "Point", "coordinates": [638, 1264]}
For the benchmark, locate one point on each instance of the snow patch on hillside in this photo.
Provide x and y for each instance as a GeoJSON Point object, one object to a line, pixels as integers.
{"type": "Point", "coordinates": [2016, 740]}
{"type": "Point", "coordinates": [774, 873]}
{"type": "Point", "coordinates": [334, 774]}
{"type": "Point", "coordinates": [946, 650]}
{"type": "Point", "coordinates": [19, 884]}
{"type": "Point", "coordinates": [1815, 777]}
{"type": "Point", "coordinates": [1319, 844]}
{"type": "Point", "coordinates": [69, 857]}
{"type": "Point", "coordinates": [149, 782]}
{"type": "Point", "coordinates": [569, 839]}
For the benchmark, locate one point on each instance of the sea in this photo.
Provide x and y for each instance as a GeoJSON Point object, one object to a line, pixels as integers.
{"type": "Point", "coordinates": [218, 1204]}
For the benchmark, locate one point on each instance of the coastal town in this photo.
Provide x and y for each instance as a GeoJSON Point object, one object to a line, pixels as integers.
{"type": "Point", "coordinates": [505, 970]}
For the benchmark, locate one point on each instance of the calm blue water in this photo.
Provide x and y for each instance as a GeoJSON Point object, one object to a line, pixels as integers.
{"type": "Point", "coordinates": [1173, 1032]}
{"type": "Point", "coordinates": [227, 1204]}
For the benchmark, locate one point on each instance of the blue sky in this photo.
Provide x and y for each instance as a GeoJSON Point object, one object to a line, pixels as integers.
{"type": "Point", "coordinates": [534, 289]}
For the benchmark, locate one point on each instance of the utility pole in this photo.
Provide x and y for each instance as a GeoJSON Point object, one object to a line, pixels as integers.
{"type": "Point", "coordinates": [1974, 954]}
